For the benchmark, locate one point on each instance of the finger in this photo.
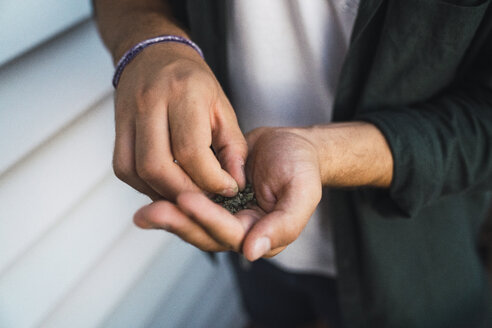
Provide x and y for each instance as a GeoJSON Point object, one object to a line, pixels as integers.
{"type": "Point", "coordinates": [229, 144]}
{"type": "Point", "coordinates": [221, 225]}
{"type": "Point", "coordinates": [191, 136]}
{"type": "Point", "coordinates": [165, 215]}
{"type": "Point", "coordinates": [124, 156]}
{"type": "Point", "coordinates": [274, 252]}
{"type": "Point", "coordinates": [248, 217]}
{"type": "Point", "coordinates": [285, 223]}
{"type": "Point", "coordinates": [154, 161]}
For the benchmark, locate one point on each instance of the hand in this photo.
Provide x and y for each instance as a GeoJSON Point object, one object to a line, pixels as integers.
{"type": "Point", "coordinates": [284, 169]}
{"type": "Point", "coordinates": [169, 106]}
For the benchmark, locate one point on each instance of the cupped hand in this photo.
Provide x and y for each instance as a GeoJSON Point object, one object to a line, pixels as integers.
{"type": "Point", "coordinates": [169, 110]}
{"type": "Point", "coordinates": [283, 167]}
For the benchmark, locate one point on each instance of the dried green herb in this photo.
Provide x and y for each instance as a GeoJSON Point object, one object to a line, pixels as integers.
{"type": "Point", "coordinates": [238, 202]}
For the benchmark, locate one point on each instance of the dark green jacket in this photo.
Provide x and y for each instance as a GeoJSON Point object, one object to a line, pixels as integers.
{"type": "Point", "coordinates": [421, 71]}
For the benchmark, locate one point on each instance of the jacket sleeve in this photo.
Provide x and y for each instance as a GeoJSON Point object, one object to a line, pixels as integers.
{"type": "Point", "coordinates": [442, 146]}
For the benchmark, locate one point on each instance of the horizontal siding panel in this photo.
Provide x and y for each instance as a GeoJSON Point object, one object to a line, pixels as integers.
{"type": "Point", "coordinates": [69, 253]}
{"type": "Point", "coordinates": [176, 306]}
{"type": "Point", "coordinates": [105, 285]}
{"type": "Point", "coordinates": [177, 266]}
{"type": "Point", "coordinates": [197, 278]}
{"type": "Point", "coordinates": [26, 23]}
{"type": "Point", "coordinates": [59, 260]}
{"type": "Point", "coordinates": [46, 89]}
{"type": "Point", "coordinates": [224, 312]}
{"type": "Point", "coordinates": [50, 181]}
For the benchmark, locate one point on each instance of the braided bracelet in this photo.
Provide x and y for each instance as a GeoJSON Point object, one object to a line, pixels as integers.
{"type": "Point", "coordinates": [135, 50]}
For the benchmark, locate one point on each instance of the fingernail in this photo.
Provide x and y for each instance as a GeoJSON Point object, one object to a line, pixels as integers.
{"type": "Point", "coordinates": [261, 247]}
{"type": "Point", "coordinates": [229, 192]}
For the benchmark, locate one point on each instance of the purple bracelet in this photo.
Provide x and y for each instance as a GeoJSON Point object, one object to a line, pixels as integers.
{"type": "Point", "coordinates": [135, 50]}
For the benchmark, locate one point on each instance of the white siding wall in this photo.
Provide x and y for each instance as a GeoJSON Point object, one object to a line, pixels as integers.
{"type": "Point", "coordinates": [27, 23]}
{"type": "Point", "coordinates": [69, 253]}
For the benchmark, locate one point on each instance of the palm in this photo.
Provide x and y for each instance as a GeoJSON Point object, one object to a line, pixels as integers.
{"type": "Point", "coordinates": [283, 168]}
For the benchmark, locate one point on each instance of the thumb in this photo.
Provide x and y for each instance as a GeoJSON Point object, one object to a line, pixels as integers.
{"type": "Point", "coordinates": [230, 147]}
{"type": "Point", "coordinates": [284, 224]}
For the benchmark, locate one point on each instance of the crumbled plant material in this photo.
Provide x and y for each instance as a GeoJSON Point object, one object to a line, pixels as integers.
{"type": "Point", "coordinates": [238, 202]}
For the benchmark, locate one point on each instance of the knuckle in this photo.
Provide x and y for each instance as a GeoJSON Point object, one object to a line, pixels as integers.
{"type": "Point", "coordinates": [149, 171]}
{"type": "Point", "coordinates": [179, 76]}
{"type": "Point", "coordinates": [179, 72]}
{"type": "Point", "coordinates": [229, 246]}
{"type": "Point", "coordinates": [142, 223]}
{"type": "Point", "coordinates": [209, 248]}
{"type": "Point", "coordinates": [185, 154]}
{"type": "Point", "coordinates": [147, 99]}
{"type": "Point", "coordinates": [184, 78]}
{"type": "Point", "coordinates": [167, 227]}
{"type": "Point", "coordinates": [122, 171]}
{"type": "Point", "coordinates": [291, 232]}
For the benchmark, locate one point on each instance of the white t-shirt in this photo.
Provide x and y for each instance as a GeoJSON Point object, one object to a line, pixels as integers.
{"type": "Point", "coordinates": [285, 57]}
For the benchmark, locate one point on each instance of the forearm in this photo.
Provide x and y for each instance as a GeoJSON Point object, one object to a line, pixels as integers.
{"type": "Point", "coordinates": [352, 154]}
{"type": "Point", "coordinates": [123, 23]}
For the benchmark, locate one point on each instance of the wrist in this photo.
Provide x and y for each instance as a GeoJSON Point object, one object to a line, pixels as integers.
{"type": "Point", "coordinates": [351, 154]}
{"type": "Point", "coordinates": [126, 43]}
{"type": "Point", "coordinates": [169, 40]}
{"type": "Point", "coordinates": [324, 145]}
{"type": "Point", "coordinates": [313, 135]}
{"type": "Point", "coordinates": [151, 24]}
